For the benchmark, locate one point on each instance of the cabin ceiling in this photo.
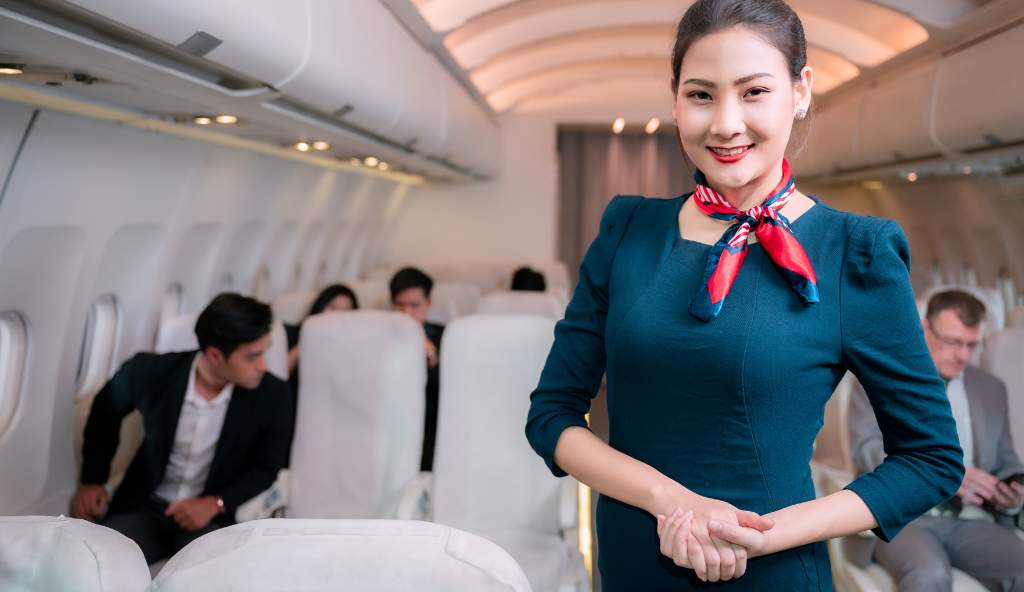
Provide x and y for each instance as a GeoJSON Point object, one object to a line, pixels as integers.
{"type": "Point", "coordinates": [518, 52]}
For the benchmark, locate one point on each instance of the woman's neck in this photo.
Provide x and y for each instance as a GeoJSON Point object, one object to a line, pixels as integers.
{"type": "Point", "coordinates": [753, 193]}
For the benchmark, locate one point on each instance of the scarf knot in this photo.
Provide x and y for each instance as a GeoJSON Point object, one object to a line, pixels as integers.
{"type": "Point", "coordinates": [772, 230]}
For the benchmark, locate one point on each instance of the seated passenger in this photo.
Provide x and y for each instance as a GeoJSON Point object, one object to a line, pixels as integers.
{"type": "Point", "coordinates": [973, 531]}
{"type": "Point", "coordinates": [410, 293]}
{"type": "Point", "coordinates": [217, 430]}
{"type": "Point", "coordinates": [336, 297]}
{"type": "Point", "coordinates": [528, 279]}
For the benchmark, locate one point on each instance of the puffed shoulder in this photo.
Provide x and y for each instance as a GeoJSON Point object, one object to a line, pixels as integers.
{"type": "Point", "coordinates": [877, 252]}
{"type": "Point", "coordinates": [618, 212]}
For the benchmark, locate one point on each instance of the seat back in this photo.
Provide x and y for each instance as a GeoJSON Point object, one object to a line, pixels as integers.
{"type": "Point", "coordinates": [359, 427]}
{"type": "Point", "coordinates": [1016, 316]}
{"type": "Point", "coordinates": [832, 446]}
{"type": "Point", "coordinates": [178, 334]}
{"type": "Point", "coordinates": [451, 300]}
{"type": "Point", "coordinates": [486, 477]}
{"type": "Point", "coordinates": [365, 555]}
{"type": "Point", "coordinates": [66, 554]}
{"type": "Point", "coordinates": [544, 304]}
{"type": "Point", "coordinates": [1004, 357]}
{"type": "Point", "coordinates": [293, 307]}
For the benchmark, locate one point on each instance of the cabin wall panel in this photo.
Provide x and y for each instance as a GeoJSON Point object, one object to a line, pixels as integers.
{"type": "Point", "coordinates": [103, 208]}
{"type": "Point", "coordinates": [14, 121]}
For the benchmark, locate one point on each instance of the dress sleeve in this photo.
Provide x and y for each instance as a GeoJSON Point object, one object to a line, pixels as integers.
{"type": "Point", "coordinates": [883, 345]}
{"type": "Point", "coordinates": [575, 366]}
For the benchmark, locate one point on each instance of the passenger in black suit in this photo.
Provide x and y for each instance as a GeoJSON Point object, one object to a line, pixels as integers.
{"type": "Point", "coordinates": [217, 429]}
{"type": "Point", "coordinates": [410, 293]}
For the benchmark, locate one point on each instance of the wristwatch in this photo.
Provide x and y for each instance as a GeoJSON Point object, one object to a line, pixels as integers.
{"type": "Point", "coordinates": [220, 504]}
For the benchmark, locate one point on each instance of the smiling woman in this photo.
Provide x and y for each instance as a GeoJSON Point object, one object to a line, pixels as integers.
{"type": "Point", "coordinates": [720, 356]}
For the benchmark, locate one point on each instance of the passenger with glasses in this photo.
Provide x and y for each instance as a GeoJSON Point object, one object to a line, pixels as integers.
{"type": "Point", "coordinates": [972, 531]}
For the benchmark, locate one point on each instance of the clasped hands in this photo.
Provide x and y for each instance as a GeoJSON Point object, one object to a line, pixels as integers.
{"type": "Point", "coordinates": [713, 538]}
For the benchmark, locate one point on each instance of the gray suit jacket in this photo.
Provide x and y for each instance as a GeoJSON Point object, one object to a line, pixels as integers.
{"type": "Point", "coordinates": [993, 443]}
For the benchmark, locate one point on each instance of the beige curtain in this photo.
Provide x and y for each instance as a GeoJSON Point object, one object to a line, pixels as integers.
{"type": "Point", "coordinates": [594, 167]}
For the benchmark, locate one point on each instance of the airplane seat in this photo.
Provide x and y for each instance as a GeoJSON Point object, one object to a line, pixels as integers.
{"type": "Point", "coordinates": [556, 274]}
{"type": "Point", "coordinates": [372, 294]}
{"type": "Point", "coordinates": [1004, 357]}
{"type": "Point", "coordinates": [832, 469]}
{"type": "Point", "coordinates": [60, 554]}
{"type": "Point", "coordinates": [380, 274]}
{"type": "Point", "coordinates": [365, 555]}
{"type": "Point", "coordinates": [451, 300]}
{"type": "Point", "coordinates": [178, 334]}
{"type": "Point", "coordinates": [542, 304]}
{"type": "Point", "coordinates": [486, 479]}
{"type": "Point", "coordinates": [359, 429]}
{"type": "Point", "coordinates": [1016, 316]}
{"type": "Point", "coordinates": [293, 307]}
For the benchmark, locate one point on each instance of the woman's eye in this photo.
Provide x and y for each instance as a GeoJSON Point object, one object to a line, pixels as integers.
{"type": "Point", "coordinates": [756, 92]}
{"type": "Point", "coordinates": [700, 96]}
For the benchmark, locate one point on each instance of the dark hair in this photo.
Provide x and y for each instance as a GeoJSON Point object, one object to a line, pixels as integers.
{"type": "Point", "coordinates": [231, 320]}
{"type": "Point", "coordinates": [330, 293]}
{"type": "Point", "coordinates": [968, 309]}
{"type": "Point", "coordinates": [773, 20]}
{"type": "Point", "coordinates": [528, 279]}
{"type": "Point", "coordinates": [408, 278]}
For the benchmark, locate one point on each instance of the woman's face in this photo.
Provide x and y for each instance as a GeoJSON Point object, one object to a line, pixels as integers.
{"type": "Point", "coordinates": [339, 303]}
{"type": "Point", "coordinates": [735, 108]}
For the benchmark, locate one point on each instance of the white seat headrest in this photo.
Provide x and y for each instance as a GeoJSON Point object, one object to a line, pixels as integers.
{"type": "Point", "coordinates": [365, 555]}
{"type": "Point", "coordinates": [293, 307]}
{"type": "Point", "coordinates": [60, 554]}
{"type": "Point", "coordinates": [543, 304]}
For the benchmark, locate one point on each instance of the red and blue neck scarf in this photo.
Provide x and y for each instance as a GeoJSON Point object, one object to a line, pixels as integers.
{"type": "Point", "coordinates": [771, 229]}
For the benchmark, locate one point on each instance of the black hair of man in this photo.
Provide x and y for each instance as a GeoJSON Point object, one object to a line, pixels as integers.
{"type": "Point", "coordinates": [528, 279]}
{"type": "Point", "coordinates": [231, 320]}
{"type": "Point", "coordinates": [408, 278]}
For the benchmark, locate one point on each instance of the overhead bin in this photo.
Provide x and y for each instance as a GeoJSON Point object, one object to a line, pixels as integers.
{"type": "Point", "coordinates": [992, 67]}
{"type": "Point", "coordinates": [896, 120]}
{"type": "Point", "coordinates": [263, 39]}
{"type": "Point", "coordinates": [473, 141]}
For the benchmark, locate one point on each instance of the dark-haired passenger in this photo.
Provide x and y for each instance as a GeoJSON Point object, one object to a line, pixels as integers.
{"type": "Point", "coordinates": [217, 425]}
{"type": "Point", "coordinates": [410, 294]}
{"type": "Point", "coordinates": [333, 298]}
{"type": "Point", "coordinates": [529, 280]}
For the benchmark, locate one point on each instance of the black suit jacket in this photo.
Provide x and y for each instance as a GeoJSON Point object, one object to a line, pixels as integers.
{"type": "Point", "coordinates": [252, 448]}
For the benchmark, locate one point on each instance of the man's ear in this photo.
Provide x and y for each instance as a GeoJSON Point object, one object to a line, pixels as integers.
{"type": "Point", "coordinates": [214, 355]}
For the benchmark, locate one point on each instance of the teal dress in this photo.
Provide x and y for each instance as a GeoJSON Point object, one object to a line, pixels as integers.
{"type": "Point", "coordinates": [730, 408]}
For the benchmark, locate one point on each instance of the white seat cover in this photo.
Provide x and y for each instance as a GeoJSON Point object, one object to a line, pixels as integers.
{"type": "Point", "coordinates": [359, 429]}
{"type": "Point", "coordinates": [489, 366]}
{"type": "Point", "coordinates": [1004, 357]}
{"type": "Point", "coordinates": [45, 553]}
{"type": "Point", "coordinates": [293, 307]}
{"type": "Point", "coordinates": [328, 555]}
{"type": "Point", "coordinates": [543, 304]}
{"type": "Point", "coordinates": [452, 300]}
{"type": "Point", "coordinates": [179, 334]}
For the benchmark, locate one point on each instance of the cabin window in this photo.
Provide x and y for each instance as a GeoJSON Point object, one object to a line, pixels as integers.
{"type": "Point", "coordinates": [968, 277]}
{"type": "Point", "coordinates": [173, 304]}
{"type": "Point", "coordinates": [99, 346]}
{"type": "Point", "coordinates": [227, 283]}
{"type": "Point", "coordinates": [13, 354]}
{"type": "Point", "coordinates": [261, 287]}
{"type": "Point", "coordinates": [1007, 289]}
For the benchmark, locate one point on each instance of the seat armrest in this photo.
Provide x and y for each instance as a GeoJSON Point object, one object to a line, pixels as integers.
{"type": "Point", "coordinates": [269, 504]}
{"type": "Point", "coordinates": [414, 502]}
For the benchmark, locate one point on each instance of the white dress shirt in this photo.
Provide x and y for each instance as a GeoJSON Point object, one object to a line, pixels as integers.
{"type": "Point", "coordinates": [961, 408]}
{"type": "Point", "coordinates": [195, 441]}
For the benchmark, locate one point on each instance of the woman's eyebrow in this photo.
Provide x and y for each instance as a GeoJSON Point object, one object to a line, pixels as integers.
{"type": "Point", "coordinates": [737, 82]}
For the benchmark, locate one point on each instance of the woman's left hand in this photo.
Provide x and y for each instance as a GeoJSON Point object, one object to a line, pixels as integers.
{"type": "Point", "coordinates": [754, 541]}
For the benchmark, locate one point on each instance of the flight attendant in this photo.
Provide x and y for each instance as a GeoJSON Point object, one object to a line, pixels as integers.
{"type": "Point", "coordinates": [724, 320]}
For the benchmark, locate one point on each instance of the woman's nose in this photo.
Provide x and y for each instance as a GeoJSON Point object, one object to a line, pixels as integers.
{"type": "Point", "coordinates": [728, 120]}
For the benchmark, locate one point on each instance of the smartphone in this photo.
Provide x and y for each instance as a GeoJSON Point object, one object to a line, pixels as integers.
{"type": "Point", "coordinates": [1015, 478]}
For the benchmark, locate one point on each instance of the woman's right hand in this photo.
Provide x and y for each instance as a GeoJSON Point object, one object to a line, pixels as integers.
{"type": "Point", "coordinates": [686, 538]}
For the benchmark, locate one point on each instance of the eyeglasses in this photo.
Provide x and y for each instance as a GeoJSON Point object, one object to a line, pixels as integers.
{"type": "Point", "coordinates": [954, 343]}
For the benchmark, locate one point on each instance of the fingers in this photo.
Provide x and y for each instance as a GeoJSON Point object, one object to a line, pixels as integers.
{"type": "Point", "coordinates": [969, 496]}
{"type": "Point", "coordinates": [727, 558]}
{"type": "Point", "coordinates": [735, 534]}
{"type": "Point", "coordinates": [712, 561]}
{"type": "Point", "coordinates": [741, 560]}
{"type": "Point", "coordinates": [754, 520]}
{"type": "Point", "coordinates": [981, 482]}
{"type": "Point", "coordinates": [1018, 490]}
{"type": "Point", "coordinates": [695, 555]}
